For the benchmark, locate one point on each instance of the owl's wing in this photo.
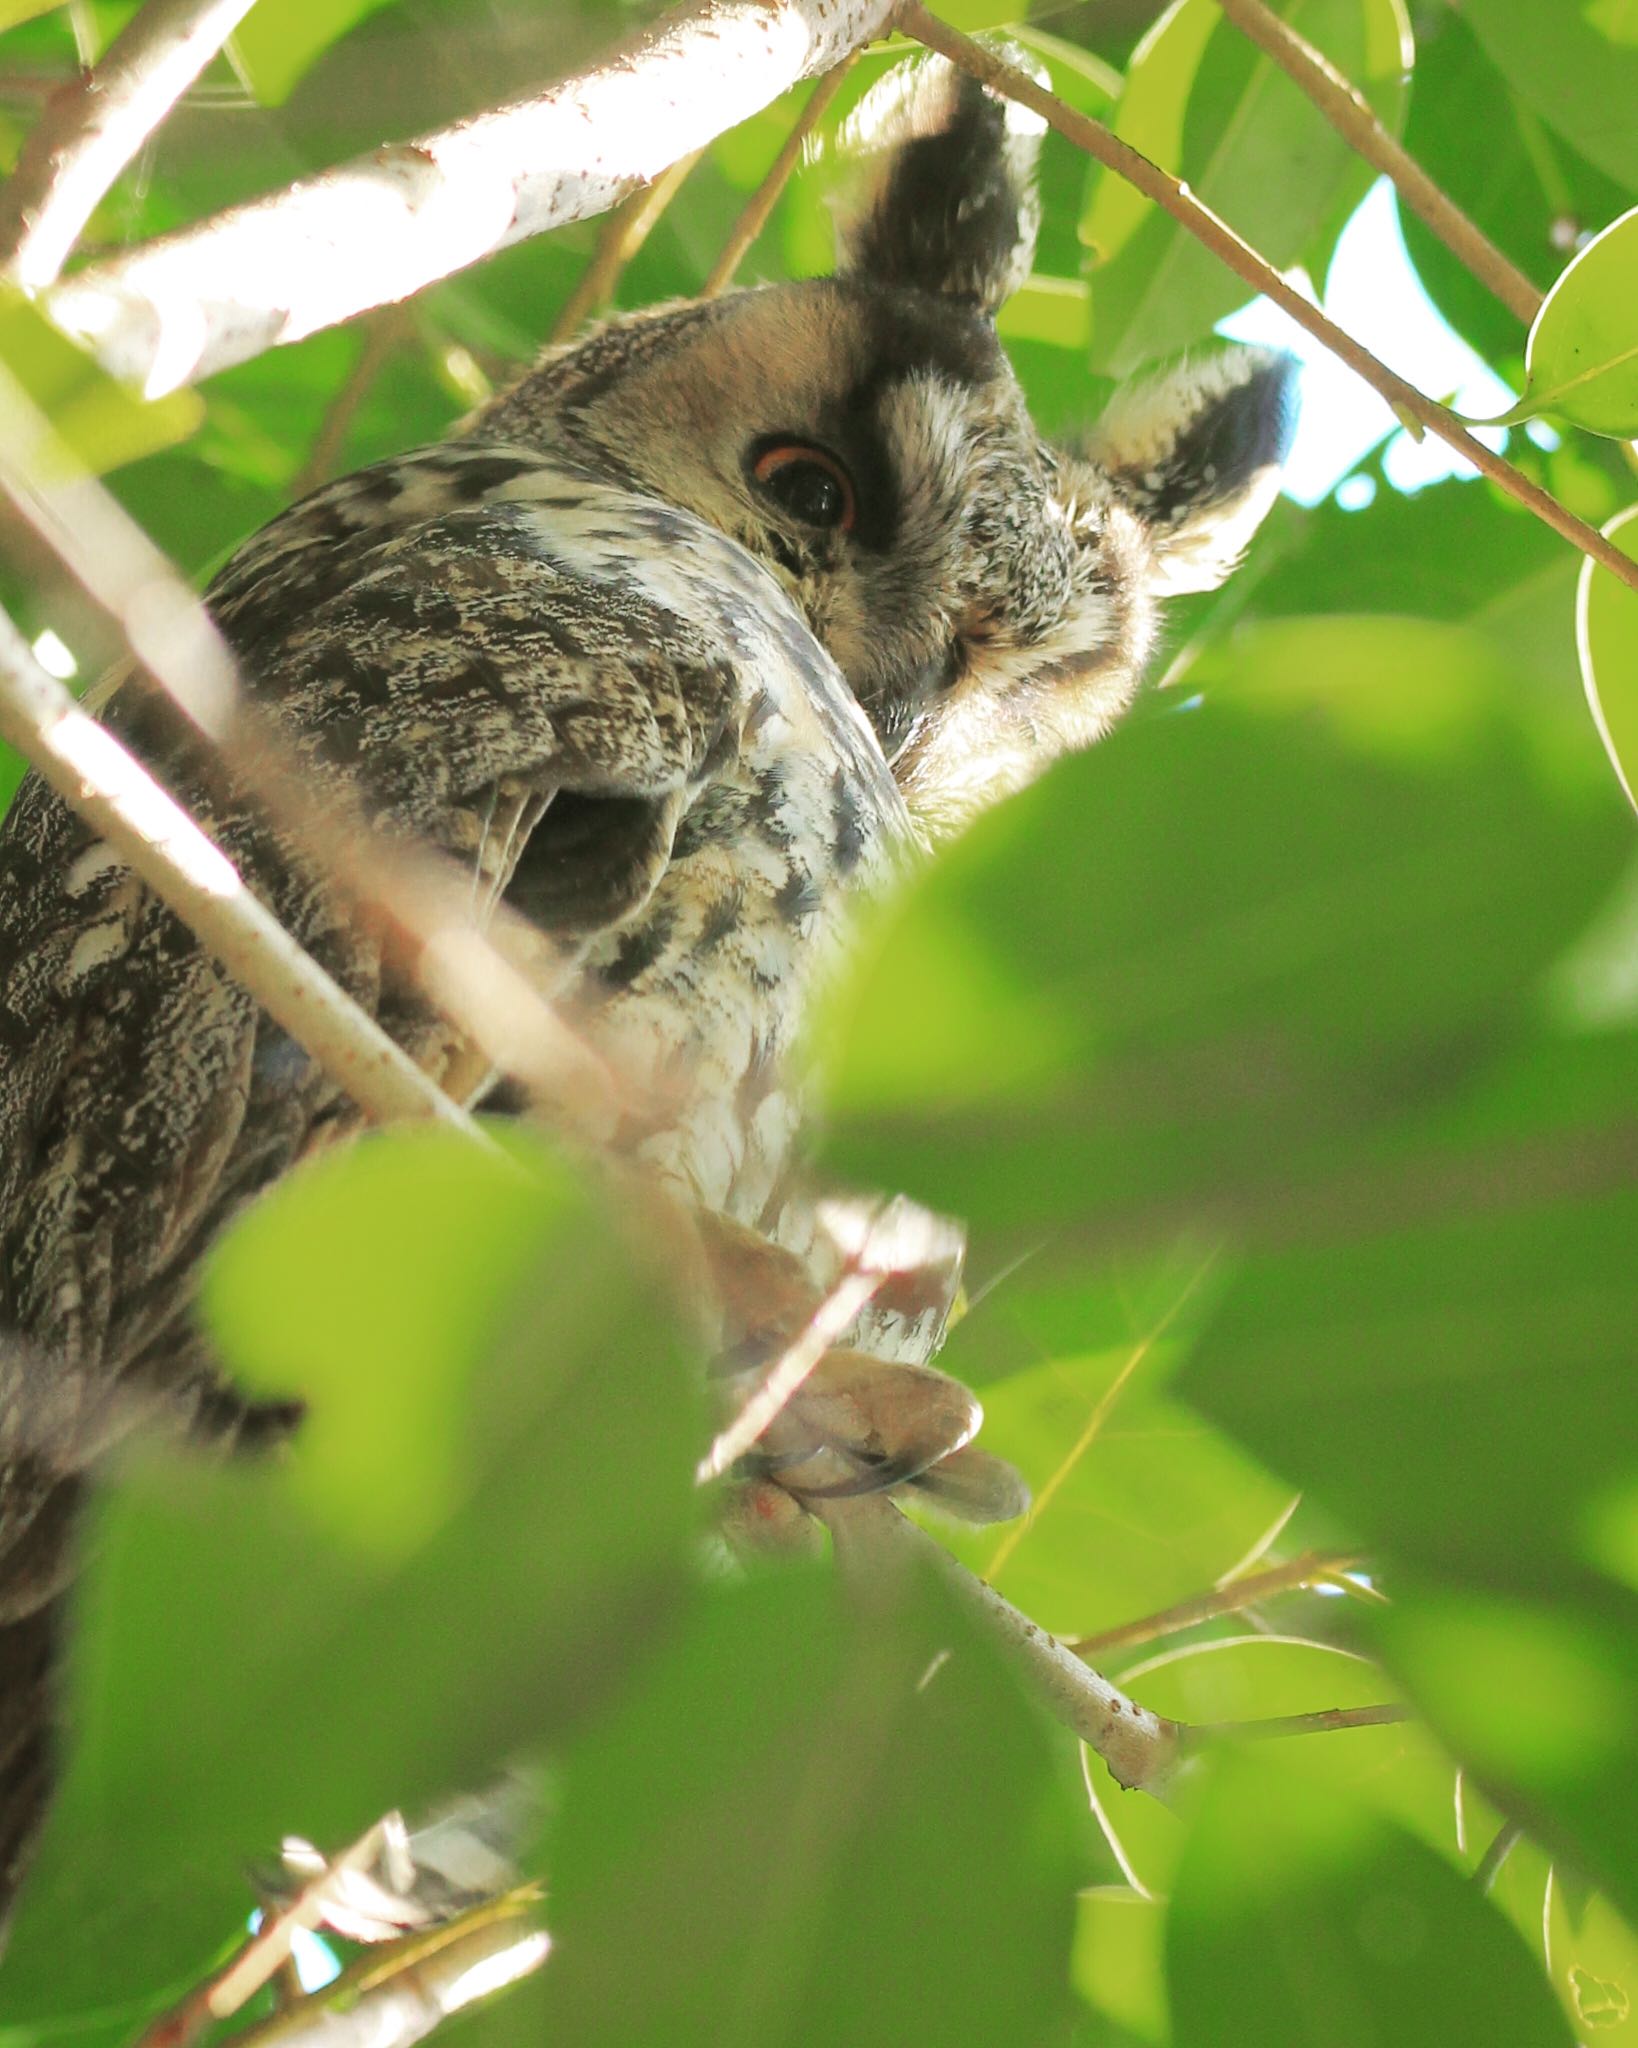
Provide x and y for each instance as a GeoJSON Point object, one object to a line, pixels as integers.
{"type": "Point", "coordinates": [527, 644]}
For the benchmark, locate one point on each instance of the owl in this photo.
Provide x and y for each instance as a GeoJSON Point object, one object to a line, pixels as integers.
{"type": "Point", "coordinates": [680, 646]}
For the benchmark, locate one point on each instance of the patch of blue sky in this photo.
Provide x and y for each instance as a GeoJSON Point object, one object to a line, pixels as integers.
{"type": "Point", "coordinates": [1373, 292]}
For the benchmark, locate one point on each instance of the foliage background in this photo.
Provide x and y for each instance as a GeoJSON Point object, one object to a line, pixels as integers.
{"type": "Point", "coordinates": [1281, 1055]}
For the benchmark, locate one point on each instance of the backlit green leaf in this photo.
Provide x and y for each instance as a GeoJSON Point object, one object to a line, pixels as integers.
{"type": "Point", "coordinates": [1607, 638]}
{"type": "Point", "coordinates": [1582, 359]}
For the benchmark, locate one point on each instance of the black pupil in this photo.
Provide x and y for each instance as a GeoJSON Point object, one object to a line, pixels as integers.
{"type": "Point", "coordinates": [808, 492]}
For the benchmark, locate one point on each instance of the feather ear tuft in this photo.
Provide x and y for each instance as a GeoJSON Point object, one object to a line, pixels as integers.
{"type": "Point", "coordinates": [945, 197]}
{"type": "Point", "coordinates": [1196, 453]}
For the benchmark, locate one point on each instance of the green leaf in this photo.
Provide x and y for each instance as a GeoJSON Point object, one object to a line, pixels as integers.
{"type": "Point", "coordinates": [1582, 358]}
{"type": "Point", "coordinates": [1536, 1690]}
{"type": "Point", "coordinates": [1056, 310]}
{"type": "Point", "coordinates": [1568, 65]}
{"type": "Point", "coordinates": [1529, 190]}
{"type": "Point", "coordinates": [279, 41]}
{"type": "Point", "coordinates": [1203, 102]}
{"type": "Point", "coordinates": [1302, 1920]}
{"type": "Point", "coordinates": [479, 1533]}
{"type": "Point", "coordinates": [1456, 1389]}
{"type": "Point", "coordinates": [1135, 997]}
{"type": "Point", "coordinates": [812, 1826]}
{"type": "Point", "coordinates": [99, 423]}
{"type": "Point", "coordinates": [1607, 640]}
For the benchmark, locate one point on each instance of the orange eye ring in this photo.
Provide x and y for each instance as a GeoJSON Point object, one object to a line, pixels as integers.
{"type": "Point", "coordinates": [808, 483]}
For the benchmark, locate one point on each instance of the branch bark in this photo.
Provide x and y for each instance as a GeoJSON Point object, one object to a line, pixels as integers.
{"type": "Point", "coordinates": [1353, 117]}
{"type": "Point", "coordinates": [375, 230]}
{"type": "Point", "coordinates": [1143, 1750]}
{"type": "Point", "coordinates": [93, 126]}
{"type": "Point", "coordinates": [114, 793]}
{"type": "Point", "coordinates": [1207, 227]}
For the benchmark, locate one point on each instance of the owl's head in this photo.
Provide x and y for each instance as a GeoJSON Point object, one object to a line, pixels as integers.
{"type": "Point", "coordinates": [991, 598]}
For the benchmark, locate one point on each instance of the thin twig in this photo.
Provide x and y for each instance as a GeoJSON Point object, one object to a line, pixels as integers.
{"type": "Point", "coordinates": [115, 794]}
{"type": "Point", "coordinates": [383, 333]}
{"type": "Point", "coordinates": [1142, 1749]}
{"type": "Point", "coordinates": [423, 903]}
{"type": "Point", "coordinates": [783, 1380]}
{"type": "Point", "coordinates": [1312, 1568]}
{"type": "Point", "coordinates": [394, 1996]}
{"type": "Point", "coordinates": [1276, 1726]}
{"type": "Point", "coordinates": [90, 130]}
{"type": "Point", "coordinates": [1488, 1867]}
{"type": "Point", "coordinates": [379, 228]}
{"type": "Point", "coordinates": [1353, 117]}
{"type": "Point", "coordinates": [624, 233]}
{"type": "Point", "coordinates": [759, 207]}
{"type": "Point", "coordinates": [1176, 199]}
{"type": "Point", "coordinates": [1100, 1414]}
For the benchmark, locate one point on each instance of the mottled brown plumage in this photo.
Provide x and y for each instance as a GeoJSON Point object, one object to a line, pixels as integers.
{"type": "Point", "coordinates": [699, 630]}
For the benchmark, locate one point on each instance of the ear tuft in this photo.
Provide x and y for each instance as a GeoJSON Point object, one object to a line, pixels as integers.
{"type": "Point", "coordinates": [1196, 452]}
{"type": "Point", "coordinates": [946, 199]}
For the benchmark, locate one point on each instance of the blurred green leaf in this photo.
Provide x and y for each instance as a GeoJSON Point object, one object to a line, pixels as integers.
{"type": "Point", "coordinates": [1132, 998]}
{"type": "Point", "coordinates": [1582, 359]}
{"type": "Point", "coordinates": [1607, 637]}
{"type": "Point", "coordinates": [1568, 65]}
{"type": "Point", "coordinates": [1536, 1690]}
{"type": "Point", "coordinates": [478, 1534]}
{"type": "Point", "coordinates": [1302, 1920]}
{"type": "Point", "coordinates": [99, 422]}
{"type": "Point", "coordinates": [279, 40]}
{"type": "Point", "coordinates": [1203, 102]}
{"type": "Point", "coordinates": [814, 1826]}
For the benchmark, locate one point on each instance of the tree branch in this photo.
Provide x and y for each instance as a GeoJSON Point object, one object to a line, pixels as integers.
{"type": "Point", "coordinates": [423, 902]}
{"type": "Point", "coordinates": [1177, 200]}
{"type": "Point", "coordinates": [759, 207]}
{"type": "Point", "coordinates": [93, 126]}
{"type": "Point", "coordinates": [384, 225]}
{"type": "Point", "coordinates": [114, 793]}
{"type": "Point", "coordinates": [1353, 117]}
{"type": "Point", "coordinates": [624, 233]}
{"type": "Point", "coordinates": [1142, 1749]}
{"type": "Point", "coordinates": [1311, 1568]}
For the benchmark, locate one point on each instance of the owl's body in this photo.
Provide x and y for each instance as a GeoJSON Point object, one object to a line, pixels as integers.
{"type": "Point", "coordinates": [687, 641]}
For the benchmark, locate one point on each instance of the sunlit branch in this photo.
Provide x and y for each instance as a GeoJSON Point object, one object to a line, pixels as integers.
{"type": "Point", "coordinates": [623, 235]}
{"type": "Point", "coordinates": [91, 128]}
{"type": "Point", "coordinates": [117, 796]}
{"type": "Point", "coordinates": [1143, 1750]}
{"type": "Point", "coordinates": [830, 1321]}
{"type": "Point", "coordinates": [1313, 1568]}
{"type": "Point", "coordinates": [378, 228]}
{"type": "Point", "coordinates": [1353, 117]}
{"type": "Point", "coordinates": [423, 904]}
{"type": "Point", "coordinates": [1411, 405]}
{"type": "Point", "coordinates": [759, 207]}
{"type": "Point", "coordinates": [395, 1995]}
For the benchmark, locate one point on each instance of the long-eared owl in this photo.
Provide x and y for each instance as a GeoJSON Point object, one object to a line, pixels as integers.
{"type": "Point", "coordinates": [678, 644]}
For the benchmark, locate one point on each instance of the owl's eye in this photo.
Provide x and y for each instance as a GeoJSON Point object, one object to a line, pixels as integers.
{"type": "Point", "coordinates": [808, 483]}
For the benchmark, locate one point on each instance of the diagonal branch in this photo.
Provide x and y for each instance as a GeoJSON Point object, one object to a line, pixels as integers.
{"type": "Point", "coordinates": [93, 126]}
{"type": "Point", "coordinates": [1207, 227]}
{"type": "Point", "coordinates": [1353, 117]}
{"type": "Point", "coordinates": [115, 794]}
{"type": "Point", "coordinates": [423, 902]}
{"type": "Point", "coordinates": [759, 207]}
{"type": "Point", "coordinates": [383, 226]}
